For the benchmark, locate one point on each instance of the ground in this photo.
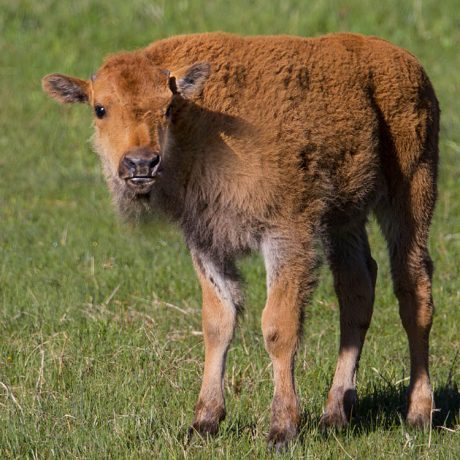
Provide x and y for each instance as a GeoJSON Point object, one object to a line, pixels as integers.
{"type": "Point", "coordinates": [101, 350]}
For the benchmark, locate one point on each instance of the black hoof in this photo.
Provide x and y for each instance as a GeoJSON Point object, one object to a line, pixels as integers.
{"type": "Point", "coordinates": [278, 440]}
{"type": "Point", "coordinates": [333, 421]}
{"type": "Point", "coordinates": [204, 428]}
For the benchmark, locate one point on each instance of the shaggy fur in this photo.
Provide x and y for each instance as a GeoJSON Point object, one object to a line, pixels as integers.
{"type": "Point", "coordinates": [281, 144]}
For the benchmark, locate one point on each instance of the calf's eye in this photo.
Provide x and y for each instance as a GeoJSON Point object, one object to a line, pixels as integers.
{"type": "Point", "coordinates": [99, 110]}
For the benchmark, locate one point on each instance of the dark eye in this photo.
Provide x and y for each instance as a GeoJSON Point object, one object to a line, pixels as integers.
{"type": "Point", "coordinates": [168, 111]}
{"type": "Point", "coordinates": [99, 110]}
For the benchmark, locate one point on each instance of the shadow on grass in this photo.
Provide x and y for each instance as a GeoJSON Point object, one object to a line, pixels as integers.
{"type": "Point", "coordinates": [385, 408]}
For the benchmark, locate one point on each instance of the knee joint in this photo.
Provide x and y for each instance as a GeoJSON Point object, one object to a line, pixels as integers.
{"type": "Point", "coordinates": [279, 340]}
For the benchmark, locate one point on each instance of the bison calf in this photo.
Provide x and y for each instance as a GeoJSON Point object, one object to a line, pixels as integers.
{"type": "Point", "coordinates": [282, 145]}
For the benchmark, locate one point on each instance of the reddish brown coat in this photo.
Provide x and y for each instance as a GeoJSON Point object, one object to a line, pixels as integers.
{"type": "Point", "coordinates": [279, 144]}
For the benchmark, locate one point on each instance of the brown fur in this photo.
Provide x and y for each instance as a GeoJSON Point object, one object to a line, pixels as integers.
{"type": "Point", "coordinates": [281, 144]}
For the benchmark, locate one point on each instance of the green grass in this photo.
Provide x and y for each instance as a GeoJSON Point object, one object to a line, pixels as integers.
{"type": "Point", "coordinates": [100, 349]}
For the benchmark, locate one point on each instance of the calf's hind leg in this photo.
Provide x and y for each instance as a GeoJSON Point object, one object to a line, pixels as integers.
{"type": "Point", "coordinates": [405, 218]}
{"type": "Point", "coordinates": [221, 300]}
{"type": "Point", "coordinates": [354, 273]}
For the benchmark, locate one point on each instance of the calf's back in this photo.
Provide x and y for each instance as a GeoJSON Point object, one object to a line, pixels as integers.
{"type": "Point", "coordinates": [290, 131]}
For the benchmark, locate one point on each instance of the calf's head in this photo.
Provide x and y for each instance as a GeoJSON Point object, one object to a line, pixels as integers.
{"type": "Point", "coordinates": [134, 102]}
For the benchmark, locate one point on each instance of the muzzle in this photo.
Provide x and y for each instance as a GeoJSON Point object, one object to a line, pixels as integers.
{"type": "Point", "coordinates": [139, 168]}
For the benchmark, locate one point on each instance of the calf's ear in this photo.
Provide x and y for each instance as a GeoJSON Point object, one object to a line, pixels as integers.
{"type": "Point", "coordinates": [65, 89]}
{"type": "Point", "coordinates": [189, 81]}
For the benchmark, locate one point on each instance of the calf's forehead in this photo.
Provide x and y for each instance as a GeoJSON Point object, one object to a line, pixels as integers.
{"type": "Point", "coordinates": [136, 83]}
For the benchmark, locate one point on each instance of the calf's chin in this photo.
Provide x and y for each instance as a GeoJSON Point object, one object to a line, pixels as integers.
{"type": "Point", "coordinates": [131, 206]}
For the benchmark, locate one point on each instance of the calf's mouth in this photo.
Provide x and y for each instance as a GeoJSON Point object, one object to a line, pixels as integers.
{"type": "Point", "coordinates": [140, 184]}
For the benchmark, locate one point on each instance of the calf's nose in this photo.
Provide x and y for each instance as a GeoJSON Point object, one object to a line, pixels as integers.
{"type": "Point", "coordinates": [139, 164]}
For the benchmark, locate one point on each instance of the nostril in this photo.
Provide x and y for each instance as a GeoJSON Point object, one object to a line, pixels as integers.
{"type": "Point", "coordinates": [129, 162]}
{"type": "Point", "coordinates": [127, 167]}
{"type": "Point", "coordinates": [154, 161]}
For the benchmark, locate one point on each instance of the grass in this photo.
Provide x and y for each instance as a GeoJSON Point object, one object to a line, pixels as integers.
{"type": "Point", "coordinates": [100, 345]}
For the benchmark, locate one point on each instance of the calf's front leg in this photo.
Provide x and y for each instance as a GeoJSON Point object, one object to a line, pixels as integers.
{"type": "Point", "coordinates": [290, 281]}
{"type": "Point", "coordinates": [221, 300]}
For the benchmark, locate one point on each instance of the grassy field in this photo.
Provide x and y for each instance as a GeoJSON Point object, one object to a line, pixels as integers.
{"type": "Point", "coordinates": [100, 344]}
